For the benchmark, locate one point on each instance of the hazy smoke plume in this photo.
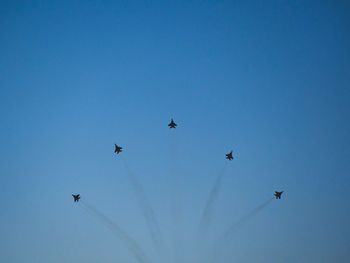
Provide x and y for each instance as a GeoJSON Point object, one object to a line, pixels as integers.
{"type": "Point", "coordinates": [210, 205]}
{"type": "Point", "coordinates": [129, 242]}
{"type": "Point", "coordinates": [146, 208]}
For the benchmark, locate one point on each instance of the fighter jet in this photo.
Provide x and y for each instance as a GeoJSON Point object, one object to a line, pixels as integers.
{"type": "Point", "coordinates": [118, 149]}
{"type": "Point", "coordinates": [229, 156]}
{"type": "Point", "coordinates": [172, 124]}
{"type": "Point", "coordinates": [278, 194]}
{"type": "Point", "coordinates": [76, 197]}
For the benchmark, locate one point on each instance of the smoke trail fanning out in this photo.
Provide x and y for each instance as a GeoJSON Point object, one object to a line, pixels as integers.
{"type": "Point", "coordinates": [130, 243]}
{"type": "Point", "coordinates": [210, 205]}
{"type": "Point", "coordinates": [176, 184]}
{"type": "Point", "coordinates": [147, 209]}
{"type": "Point", "coordinates": [229, 233]}
{"type": "Point", "coordinates": [227, 236]}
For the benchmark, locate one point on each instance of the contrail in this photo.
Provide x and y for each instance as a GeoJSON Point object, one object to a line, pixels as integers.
{"type": "Point", "coordinates": [175, 202]}
{"type": "Point", "coordinates": [210, 205]}
{"type": "Point", "coordinates": [147, 209]}
{"type": "Point", "coordinates": [229, 233]}
{"type": "Point", "coordinates": [132, 244]}
{"type": "Point", "coordinates": [227, 236]}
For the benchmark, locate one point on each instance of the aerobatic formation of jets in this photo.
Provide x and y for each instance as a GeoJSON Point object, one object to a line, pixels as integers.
{"type": "Point", "coordinates": [172, 125]}
{"type": "Point", "coordinates": [76, 197]}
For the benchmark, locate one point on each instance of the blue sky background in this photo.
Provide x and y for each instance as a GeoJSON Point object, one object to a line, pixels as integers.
{"type": "Point", "coordinates": [267, 79]}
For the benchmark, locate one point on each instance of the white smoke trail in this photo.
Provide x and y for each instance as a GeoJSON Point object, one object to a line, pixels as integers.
{"type": "Point", "coordinates": [129, 242]}
{"type": "Point", "coordinates": [227, 236]}
{"type": "Point", "coordinates": [210, 205]}
{"type": "Point", "coordinates": [176, 204]}
{"type": "Point", "coordinates": [146, 208]}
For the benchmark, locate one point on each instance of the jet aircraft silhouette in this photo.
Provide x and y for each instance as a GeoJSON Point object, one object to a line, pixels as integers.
{"type": "Point", "coordinates": [278, 194]}
{"type": "Point", "coordinates": [76, 197]}
{"type": "Point", "coordinates": [118, 149]}
{"type": "Point", "coordinates": [172, 124]}
{"type": "Point", "coordinates": [229, 156]}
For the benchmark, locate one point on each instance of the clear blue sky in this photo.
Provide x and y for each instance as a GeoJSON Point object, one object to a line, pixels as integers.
{"type": "Point", "coordinates": [267, 79]}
